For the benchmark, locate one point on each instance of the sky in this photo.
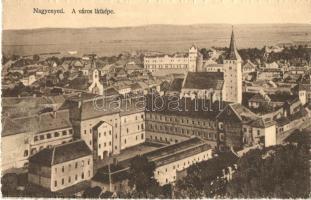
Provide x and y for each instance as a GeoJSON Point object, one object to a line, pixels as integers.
{"type": "Point", "coordinates": [18, 14]}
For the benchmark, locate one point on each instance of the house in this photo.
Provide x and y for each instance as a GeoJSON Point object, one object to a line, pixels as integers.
{"type": "Point", "coordinates": [230, 125]}
{"type": "Point", "coordinates": [123, 89]}
{"type": "Point", "coordinates": [28, 80]}
{"type": "Point", "coordinates": [170, 121]}
{"type": "Point", "coordinates": [61, 166]}
{"type": "Point", "coordinates": [176, 157]}
{"type": "Point", "coordinates": [133, 67]}
{"type": "Point", "coordinates": [33, 133]}
{"type": "Point", "coordinates": [115, 181]}
{"type": "Point", "coordinates": [132, 122]}
{"type": "Point", "coordinates": [260, 131]}
{"type": "Point", "coordinates": [87, 111]}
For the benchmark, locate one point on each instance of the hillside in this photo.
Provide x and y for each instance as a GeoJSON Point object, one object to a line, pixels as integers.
{"type": "Point", "coordinates": [164, 38]}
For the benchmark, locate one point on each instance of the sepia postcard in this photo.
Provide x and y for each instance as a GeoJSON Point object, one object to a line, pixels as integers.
{"type": "Point", "coordinates": [156, 99]}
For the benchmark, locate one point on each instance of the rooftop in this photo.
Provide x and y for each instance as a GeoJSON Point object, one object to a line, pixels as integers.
{"type": "Point", "coordinates": [61, 153]}
{"type": "Point", "coordinates": [176, 84]}
{"type": "Point", "coordinates": [36, 123]}
{"type": "Point", "coordinates": [177, 151]}
{"type": "Point", "coordinates": [204, 80]}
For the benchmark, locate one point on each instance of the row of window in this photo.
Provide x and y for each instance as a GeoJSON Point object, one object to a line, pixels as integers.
{"type": "Point", "coordinates": [70, 167]}
{"type": "Point", "coordinates": [63, 180]}
{"type": "Point", "coordinates": [141, 137]}
{"type": "Point", "coordinates": [34, 150]}
{"type": "Point", "coordinates": [51, 135]}
{"type": "Point", "coordinates": [139, 127]}
{"type": "Point", "coordinates": [250, 131]}
{"type": "Point", "coordinates": [136, 118]}
{"type": "Point", "coordinates": [184, 165]}
{"type": "Point", "coordinates": [163, 139]}
{"type": "Point", "coordinates": [178, 130]}
{"type": "Point", "coordinates": [182, 120]}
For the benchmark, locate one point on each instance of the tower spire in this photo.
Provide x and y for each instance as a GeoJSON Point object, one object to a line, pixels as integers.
{"type": "Point", "coordinates": [233, 53]}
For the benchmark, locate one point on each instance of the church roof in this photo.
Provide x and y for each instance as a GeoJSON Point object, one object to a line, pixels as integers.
{"type": "Point", "coordinates": [204, 80]}
{"type": "Point", "coordinates": [233, 52]}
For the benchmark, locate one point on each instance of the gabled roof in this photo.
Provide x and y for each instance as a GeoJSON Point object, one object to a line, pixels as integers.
{"type": "Point", "coordinates": [204, 80]}
{"type": "Point", "coordinates": [262, 123]}
{"type": "Point", "coordinates": [37, 123]}
{"type": "Point", "coordinates": [61, 153]}
{"type": "Point", "coordinates": [236, 112]}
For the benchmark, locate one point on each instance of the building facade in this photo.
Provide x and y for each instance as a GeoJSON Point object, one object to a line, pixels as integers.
{"type": "Point", "coordinates": [182, 63]}
{"type": "Point", "coordinates": [233, 74]}
{"type": "Point", "coordinates": [62, 166]}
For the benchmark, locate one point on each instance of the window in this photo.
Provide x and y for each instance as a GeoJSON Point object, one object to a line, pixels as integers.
{"type": "Point", "coordinates": [124, 141]}
{"type": "Point", "coordinates": [115, 147]}
{"type": "Point", "coordinates": [70, 131]}
{"type": "Point", "coordinates": [142, 136]}
{"type": "Point", "coordinates": [63, 181]}
{"type": "Point", "coordinates": [138, 127]}
{"type": "Point", "coordinates": [25, 153]}
{"type": "Point", "coordinates": [99, 146]}
{"type": "Point", "coordinates": [36, 138]}
{"type": "Point", "coordinates": [76, 177]}
{"type": "Point", "coordinates": [105, 133]}
{"type": "Point", "coordinates": [82, 175]}
{"type": "Point", "coordinates": [136, 137]}
{"type": "Point", "coordinates": [90, 142]}
{"type": "Point", "coordinates": [64, 132]}
{"type": "Point", "coordinates": [63, 169]}
{"type": "Point", "coordinates": [82, 163]}
{"type": "Point", "coordinates": [48, 136]}
{"type": "Point", "coordinates": [91, 131]}
{"type": "Point", "coordinates": [258, 132]}
{"type": "Point", "coordinates": [142, 116]}
{"type": "Point", "coordinates": [104, 144]}
{"type": "Point", "coordinates": [69, 179]}
{"type": "Point", "coordinates": [110, 143]}
{"type": "Point", "coordinates": [99, 134]}
{"type": "Point", "coordinates": [84, 131]}
{"type": "Point", "coordinates": [41, 137]}
{"type": "Point", "coordinates": [142, 126]}
{"type": "Point", "coordinates": [76, 165]}
{"type": "Point", "coordinates": [88, 161]}
{"type": "Point", "coordinates": [89, 173]}
{"type": "Point", "coordinates": [109, 132]}
{"type": "Point", "coordinates": [56, 134]}
{"type": "Point", "coordinates": [127, 130]}
{"type": "Point", "coordinates": [55, 183]}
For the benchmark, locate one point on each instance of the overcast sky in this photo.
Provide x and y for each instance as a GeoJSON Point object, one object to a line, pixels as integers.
{"type": "Point", "coordinates": [18, 14]}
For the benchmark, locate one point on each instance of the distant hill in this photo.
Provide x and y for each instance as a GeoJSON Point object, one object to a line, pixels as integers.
{"type": "Point", "coordinates": [164, 38]}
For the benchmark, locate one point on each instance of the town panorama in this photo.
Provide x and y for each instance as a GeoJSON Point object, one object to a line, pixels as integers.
{"type": "Point", "coordinates": [203, 122]}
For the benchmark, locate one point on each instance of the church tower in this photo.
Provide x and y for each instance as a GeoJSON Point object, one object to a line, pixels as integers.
{"type": "Point", "coordinates": [192, 62]}
{"type": "Point", "coordinates": [233, 74]}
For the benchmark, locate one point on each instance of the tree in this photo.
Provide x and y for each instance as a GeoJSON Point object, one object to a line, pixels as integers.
{"type": "Point", "coordinates": [141, 174]}
{"type": "Point", "coordinates": [36, 57]}
{"type": "Point", "coordinates": [92, 192]}
{"type": "Point", "coordinates": [275, 172]}
{"type": "Point", "coordinates": [9, 184]}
